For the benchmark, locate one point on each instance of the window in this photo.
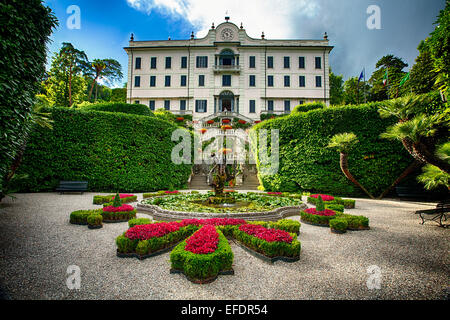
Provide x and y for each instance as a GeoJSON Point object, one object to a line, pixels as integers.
{"type": "Point", "coordinates": [301, 102]}
{"type": "Point", "coordinates": [201, 80]}
{"type": "Point", "coordinates": [226, 80]}
{"type": "Point", "coordinates": [252, 106]}
{"type": "Point", "coordinates": [167, 81]}
{"type": "Point", "coordinates": [252, 62]}
{"type": "Point", "coordinates": [202, 62]}
{"type": "Point", "coordinates": [182, 104]}
{"type": "Point", "coordinates": [270, 81]}
{"type": "Point", "coordinates": [151, 105]}
{"type": "Point", "coordinates": [137, 81]}
{"type": "Point", "coordinates": [167, 104]}
{"type": "Point", "coordinates": [252, 81]}
{"type": "Point", "coordinates": [318, 81]}
{"type": "Point", "coordinates": [318, 63]}
{"type": "Point", "coordinates": [287, 105]}
{"type": "Point", "coordinates": [183, 81]}
{"type": "Point", "coordinates": [287, 81]}
{"type": "Point", "coordinates": [183, 62]}
{"type": "Point", "coordinates": [200, 106]}
{"type": "Point", "coordinates": [287, 62]}
{"type": "Point", "coordinates": [138, 63]}
{"type": "Point", "coordinates": [270, 105]}
{"type": "Point", "coordinates": [269, 62]}
{"type": "Point", "coordinates": [137, 101]}
{"type": "Point", "coordinates": [168, 62]}
{"type": "Point", "coordinates": [301, 62]}
{"type": "Point", "coordinates": [152, 81]}
{"type": "Point", "coordinates": [301, 81]}
{"type": "Point", "coordinates": [153, 63]}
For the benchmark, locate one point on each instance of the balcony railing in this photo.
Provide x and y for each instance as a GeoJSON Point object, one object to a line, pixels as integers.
{"type": "Point", "coordinates": [181, 112]}
{"type": "Point", "coordinates": [227, 68]}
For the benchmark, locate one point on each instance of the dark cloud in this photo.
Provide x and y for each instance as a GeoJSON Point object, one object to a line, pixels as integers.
{"type": "Point", "coordinates": [404, 23]}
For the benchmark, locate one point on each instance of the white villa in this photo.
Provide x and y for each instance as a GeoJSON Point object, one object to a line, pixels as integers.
{"type": "Point", "coordinates": [228, 73]}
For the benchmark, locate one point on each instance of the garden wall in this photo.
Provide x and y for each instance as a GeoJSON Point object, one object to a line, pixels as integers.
{"type": "Point", "coordinates": [112, 151]}
{"type": "Point", "coordinates": [307, 164]}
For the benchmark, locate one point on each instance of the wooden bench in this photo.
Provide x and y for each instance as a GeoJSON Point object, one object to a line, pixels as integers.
{"type": "Point", "coordinates": [437, 215]}
{"type": "Point", "coordinates": [72, 186]}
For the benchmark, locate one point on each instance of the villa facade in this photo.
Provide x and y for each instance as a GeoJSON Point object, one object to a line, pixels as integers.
{"type": "Point", "coordinates": [228, 72]}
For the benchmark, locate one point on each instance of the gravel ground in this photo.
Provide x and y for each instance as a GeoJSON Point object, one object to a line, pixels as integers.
{"type": "Point", "coordinates": [37, 244]}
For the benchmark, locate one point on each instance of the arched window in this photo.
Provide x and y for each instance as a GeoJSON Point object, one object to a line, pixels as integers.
{"type": "Point", "coordinates": [227, 58]}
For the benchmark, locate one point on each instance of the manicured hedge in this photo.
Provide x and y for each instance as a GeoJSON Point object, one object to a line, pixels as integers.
{"type": "Point", "coordinates": [112, 151]}
{"type": "Point", "coordinates": [138, 221]}
{"type": "Point", "coordinates": [130, 108]}
{"type": "Point", "coordinates": [308, 107]}
{"type": "Point", "coordinates": [339, 225]}
{"type": "Point", "coordinates": [81, 216]}
{"type": "Point", "coordinates": [118, 216]}
{"type": "Point", "coordinates": [307, 164]}
{"type": "Point", "coordinates": [109, 198]}
{"type": "Point", "coordinates": [316, 219]}
{"type": "Point", "coordinates": [202, 266]}
{"type": "Point", "coordinates": [347, 203]}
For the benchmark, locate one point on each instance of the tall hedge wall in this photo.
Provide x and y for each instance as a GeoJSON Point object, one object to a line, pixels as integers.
{"type": "Point", "coordinates": [307, 164]}
{"type": "Point", "coordinates": [130, 108]}
{"type": "Point", "coordinates": [112, 151]}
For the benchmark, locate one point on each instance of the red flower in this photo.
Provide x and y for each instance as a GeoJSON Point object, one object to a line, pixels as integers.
{"type": "Point", "coordinates": [257, 121]}
{"type": "Point", "coordinates": [123, 195]}
{"type": "Point", "coordinates": [180, 119]}
{"type": "Point", "coordinates": [213, 222]}
{"type": "Point", "coordinates": [172, 192]}
{"type": "Point", "coordinates": [226, 121]}
{"type": "Point", "coordinates": [242, 122]}
{"type": "Point", "coordinates": [154, 230]}
{"type": "Point", "coordinates": [204, 241]}
{"type": "Point", "coordinates": [122, 208]}
{"type": "Point", "coordinates": [326, 212]}
{"type": "Point", "coordinates": [269, 235]}
{"type": "Point", "coordinates": [210, 121]}
{"type": "Point", "coordinates": [325, 197]}
{"type": "Point", "coordinates": [275, 193]}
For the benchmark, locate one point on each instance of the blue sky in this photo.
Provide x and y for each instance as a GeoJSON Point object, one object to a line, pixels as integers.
{"type": "Point", "coordinates": [106, 25]}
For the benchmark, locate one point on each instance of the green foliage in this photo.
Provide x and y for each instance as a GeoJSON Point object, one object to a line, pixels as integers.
{"type": "Point", "coordinates": [165, 115]}
{"type": "Point", "coordinates": [266, 116]}
{"type": "Point", "coordinates": [117, 202]}
{"type": "Point", "coordinates": [315, 218]}
{"type": "Point", "coordinates": [336, 89]}
{"type": "Point", "coordinates": [354, 91]}
{"type": "Point", "coordinates": [94, 220]}
{"type": "Point", "coordinates": [334, 207]}
{"type": "Point", "coordinates": [118, 216]}
{"type": "Point", "coordinates": [347, 203]}
{"type": "Point", "coordinates": [139, 221]}
{"type": "Point", "coordinates": [288, 225]}
{"type": "Point", "coordinates": [306, 164]}
{"type": "Point", "coordinates": [433, 177]}
{"type": "Point", "coordinates": [134, 108]}
{"type": "Point", "coordinates": [308, 107]}
{"type": "Point", "coordinates": [26, 28]}
{"type": "Point", "coordinates": [343, 142]}
{"type": "Point", "coordinates": [108, 199]}
{"type": "Point", "coordinates": [339, 224]}
{"type": "Point", "coordinates": [113, 151]}
{"type": "Point", "coordinates": [355, 222]}
{"type": "Point", "coordinates": [81, 216]}
{"type": "Point", "coordinates": [119, 95]}
{"type": "Point", "coordinates": [414, 129]}
{"type": "Point", "coordinates": [269, 249]}
{"type": "Point", "coordinates": [423, 76]}
{"type": "Point", "coordinates": [203, 266]}
{"type": "Point", "coordinates": [320, 206]}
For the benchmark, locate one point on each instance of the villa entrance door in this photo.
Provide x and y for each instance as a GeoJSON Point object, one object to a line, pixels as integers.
{"type": "Point", "coordinates": [226, 105]}
{"type": "Point", "coordinates": [226, 101]}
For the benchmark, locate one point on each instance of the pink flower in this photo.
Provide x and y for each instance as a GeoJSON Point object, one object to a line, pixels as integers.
{"type": "Point", "coordinates": [269, 235]}
{"type": "Point", "coordinates": [171, 192]}
{"type": "Point", "coordinates": [154, 230]}
{"type": "Point", "coordinates": [213, 222]}
{"type": "Point", "coordinates": [325, 197]}
{"type": "Point", "coordinates": [204, 241]}
{"type": "Point", "coordinates": [122, 208]}
{"type": "Point", "coordinates": [275, 193]}
{"type": "Point", "coordinates": [123, 195]}
{"type": "Point", "coordinates": [326, 212]}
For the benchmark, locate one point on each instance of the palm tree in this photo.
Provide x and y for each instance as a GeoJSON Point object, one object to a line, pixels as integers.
{"type": "Point", "coordinates": [108, 69]}
{"type": "Point", "coordinates": [343, 143]}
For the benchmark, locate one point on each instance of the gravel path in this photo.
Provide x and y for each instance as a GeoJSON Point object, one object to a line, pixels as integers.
{"type": "Point", "coordinates": [37, 244]}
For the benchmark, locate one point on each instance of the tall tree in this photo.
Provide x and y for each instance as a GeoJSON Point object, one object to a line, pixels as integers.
{"type": "Point", "coordinates": [336, 89]}
{"type": "Point", "coordinates": [392, 67]}
{"type": "Point", "coordinates": [107, 69]}
{"type": "Point", "coordinates": [423, 76]}
{"type": "Point", "coordinates": [354, 91]}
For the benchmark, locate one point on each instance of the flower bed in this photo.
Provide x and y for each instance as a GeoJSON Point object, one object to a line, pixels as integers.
{"type": "Point", "coordinates": [125, 198]}
{"type": "Point", "coordinates": [123, 213]}
{"type": "Point", "coordinates": [313, 216]}
{"type": "Point", "coordinates": [347, 203]}
{"type": "Point", "coordinates": [202, 267]}
{"type": "Point", "coordinates": [80, 216]}
{"type": "Point", "coordinates": [259, 241]}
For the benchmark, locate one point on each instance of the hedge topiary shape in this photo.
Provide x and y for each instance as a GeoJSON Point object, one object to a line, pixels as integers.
{"type": "Point", "coordinates": [117, 202]}
{"type": "Point", "coordinates": [320, 206]}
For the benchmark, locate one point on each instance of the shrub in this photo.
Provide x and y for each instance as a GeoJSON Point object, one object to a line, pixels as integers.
{"type": "Point", "coordinates": [347, 203]}
{"type": "Point", "coordinates": [308, 107]}
{"type": "Point", "coordinates": [138, 221]}
{"type": "Point", "coordinates": [129, 108]}
{"type": "Point", "coordinates": [288, 225]}
{"type": "Point", "coordinates": [202, 266]}
{"type": "Point", "coordinates": [355, 222]}
{"type": "Point", "coordinates": [306, 164]}
{"type": "Point", "coordinates": [94, 220]}
{"type": "Point", "coordinates": [320, 206]}
{"type": "Point", "coordinates": [80, 216]}
{"type": "Point", "coordinates": [334, 207]}
{"type": "Point", "coordinates": [339, 224]}
{"type": "Point", "coordinates": [123, 212]}
{"type": "Point", "coordinates": [125, 198]}
{"type": "Point", "coordinates": [311, 216]}
{"type": "Point", "coordinates": [269, 249]}
{"type": "Point", "coordinates": [83, 145]}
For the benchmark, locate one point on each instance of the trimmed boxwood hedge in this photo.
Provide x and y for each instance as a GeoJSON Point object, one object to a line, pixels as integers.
{"type": "Point", "coordinates": [112, 151]}
{"type": "Point", "coordinates": [80, 216]}
{"type": "Point", "coordinates": [347, 203]}
{"type": "Point", "coordinates": [316, 219]}
{"type": "Point", "coordinates": [130, 108]}
{"type": "Point", "coordinates": [203, 266]}
{"type": "Point", "coordinates": [108, 199]}
{"type": "Point", "coordinates": [339, 224]}
{"type": "Point", "coordinates": [307, 164]}
{"type": "Point", "coordinates": [308, 107]}
{"type": "Point", "coordinates": [118, 216]}
{"type": "Point", "coordinates": [269, 249]}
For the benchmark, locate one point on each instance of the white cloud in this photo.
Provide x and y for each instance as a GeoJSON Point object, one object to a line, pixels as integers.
{"type": "Point", "coordinates": [275, 17]}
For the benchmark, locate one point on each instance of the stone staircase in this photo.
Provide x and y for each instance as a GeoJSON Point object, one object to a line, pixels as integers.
{"type": "Point", "coordinates": [251, 182]}
{"type": "Point", "coordinates": [198, 182]}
